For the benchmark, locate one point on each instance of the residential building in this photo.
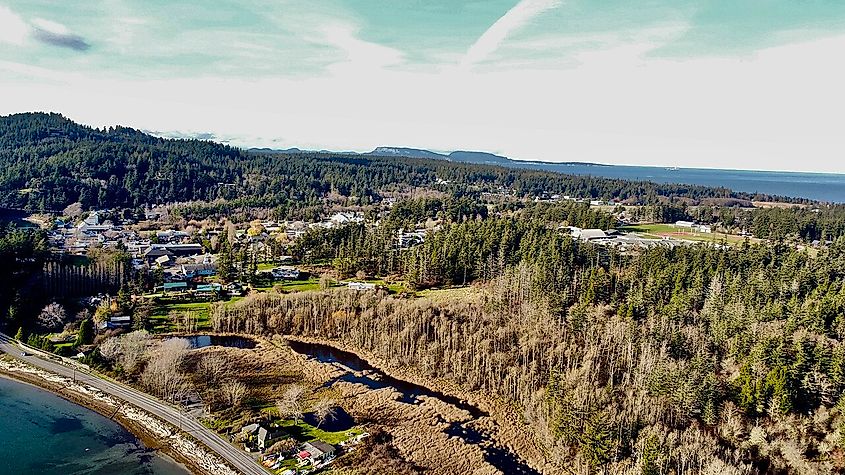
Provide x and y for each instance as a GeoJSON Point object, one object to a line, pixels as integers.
{"type": "Point", "coordinates": [361, 286]}
{"type": "Point", "coordinates": [191, 271]}
{"type": "Point", "coordinates": [267, 437]}
{"type": "Point", "coordinates": [286, 272]}
{"type": "Point", "coordinates": [316, 452]}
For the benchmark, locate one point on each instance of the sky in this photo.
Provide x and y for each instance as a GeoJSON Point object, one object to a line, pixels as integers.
{"type": "Point", "coordinates": [752, 84]}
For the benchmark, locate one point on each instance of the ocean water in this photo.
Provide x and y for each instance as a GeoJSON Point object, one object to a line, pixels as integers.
{"type": "Point", "coordinates": [828, 187]}
{"type": "Point", "coordinates": [41, 433]}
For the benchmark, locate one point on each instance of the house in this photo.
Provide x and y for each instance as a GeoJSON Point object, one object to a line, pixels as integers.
{"type": "Point", "coordinates": [94, 228]}
{"type": "Point", "coordinates": [339, 219]}
{"type": "Point", "coordinates": [190, 249]}
{"type": "Point", "coordinates": [286, 272]}
{"type": "Point", "coordinates": [267, 437]}
{"type": "Point", "coordinates": [171, 235]}
{"type": "Point", "coordinates": [153, 253]}
{"type": "Point", "coordinates": [209, 288]}
{"type": "Point", "coordinates": [412, 238]}
{"type": "Point", "coordinates": [199, 270]}
{"type": "Point", "coordinates": [121, 321]}
{"type": "Point", "coordinates": [164, 261]}
{"type": "Point", "coordinates": [174, 286]}
{"type": "Point", "coordinates": [92, 219]}
{"type": "Point", "coordinates": [115, 322]}
{"type": "Point", "coordinates": [316, 452]}
{"type": "Point", "coordinates": [251, 429]}
{"type": "Point", "coordinates": [361, 286]}
{"type": "Point", "coordinates": [573, 231]}
{"type": "Point", "coordinates": [235, 289]}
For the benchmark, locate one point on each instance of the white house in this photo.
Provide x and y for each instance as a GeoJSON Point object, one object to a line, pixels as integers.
{"type": "Point", "coordinates": [361, 286]}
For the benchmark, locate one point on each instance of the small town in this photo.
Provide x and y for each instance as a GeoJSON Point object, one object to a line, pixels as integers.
{"type": "Point", "coordinates": [337, 237]}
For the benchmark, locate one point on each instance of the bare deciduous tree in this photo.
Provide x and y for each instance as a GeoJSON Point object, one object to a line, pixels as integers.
{"type": "Point", "coordinates": [110, 349]}
{"type": "Point", "coordinates": [128, 350]}
{"type": "Point", "coordinates": [325, 410]}
{"type": "Point", "coordinates": [292, 403]}
{"type": "Point", "coordinates": [184, 321]}
{"type": "Point", "coordinates": [213, 367]}
{"type": "Point", "coordinates": [163, 375]}
{"type": "Point", "coordinates": [52, 316]}
{"type": "Point", "coordinates": [73, 210]}
{"type": "Point", "coordinates": [233, 392]}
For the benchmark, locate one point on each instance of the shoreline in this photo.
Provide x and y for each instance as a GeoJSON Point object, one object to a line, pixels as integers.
{"type": "Point", "coordinates": [148, 442]}
{"type": "Point", "coordinates": [160, 436]}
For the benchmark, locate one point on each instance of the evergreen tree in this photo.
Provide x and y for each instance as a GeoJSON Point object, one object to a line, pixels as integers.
{"type": "Point", "coordinates": [85, 335]}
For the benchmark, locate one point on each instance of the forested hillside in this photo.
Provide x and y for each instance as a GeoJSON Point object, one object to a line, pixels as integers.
{"type": "Point", "coordinates": [695, 359]}
{"type": "Point", "coordinates": [22, 255]}
{"type": "Point", "coordinates": [48, 162]}
{"type": "Point", "coordinates": [667, 358]}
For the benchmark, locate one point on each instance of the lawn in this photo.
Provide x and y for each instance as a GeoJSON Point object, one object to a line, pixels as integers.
{"type": "Point", "coordinates": [312, 283]}
{"type": "Point", "coordinates": [300, 285]}
{"type": "Point", "coordinates": [449, 294]}
{"type": "Point", "coordinates": [303, 432]}
{"type": "Point", "coordinates": [160, 316]}
{"type": "Point", "coordinates": [659, 231]}
{"type": "Point", "coordinates": [393, 287]}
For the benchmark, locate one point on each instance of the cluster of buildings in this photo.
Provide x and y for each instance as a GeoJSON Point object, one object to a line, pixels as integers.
{"type": "Point", "coordinates": [553, 197]}
{"type": "Point", "coordinates": [618, 239]}
{"type": "Point", "coordinates": [694, 227]}
{"type": "Point", "coordinates": [261, 438]}
{"type": "Point", "coordinates": [70, 239]}
{"type": "Point", "coordinates": [406, 239]}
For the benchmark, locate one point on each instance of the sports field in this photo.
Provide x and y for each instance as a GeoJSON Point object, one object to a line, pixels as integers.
{"type": "Point", "coordinates": [659, 231]}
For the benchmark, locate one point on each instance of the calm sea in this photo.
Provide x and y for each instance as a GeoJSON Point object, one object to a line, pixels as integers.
{"type": "Point", "coordinates": [42, 433]}
{"type": "Point", "coordinates": [817, 186]}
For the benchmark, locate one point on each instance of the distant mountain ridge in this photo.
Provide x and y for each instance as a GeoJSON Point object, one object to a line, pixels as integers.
{"type": "Point", "coordinates": [459, 156]}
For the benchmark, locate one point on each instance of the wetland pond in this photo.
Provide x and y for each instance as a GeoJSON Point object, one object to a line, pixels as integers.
{"type": "Point", "coordinates": [359, 371]}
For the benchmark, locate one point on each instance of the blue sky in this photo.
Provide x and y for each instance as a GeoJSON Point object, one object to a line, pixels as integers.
{"type": "Point", "coordinates": [752, 84]}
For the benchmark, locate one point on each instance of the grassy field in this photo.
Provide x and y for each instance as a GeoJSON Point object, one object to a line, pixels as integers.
{"type": "Point", "coordinates": [659, 231]}
{"type": "Point", "coordinates": [449, 294]}
{"type": "Point", "coordinates": [160, 316]}
{"type": "Point", "coordinates": [393, 288]}
{"type": "Point", "coordinates": [300, 285]}
{"type": "Point", "coordinates": [303, 432]}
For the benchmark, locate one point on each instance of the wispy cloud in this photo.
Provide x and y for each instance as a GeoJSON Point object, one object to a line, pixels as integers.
{"type": "Point", "coordinates": [15, 30]}
{"type": "Point", "coordinates": [359, 54]}
{"type": "Point", "coordinates": [69, 40]}
{"type": "Point", "coordinates": [56, 34]}
{"type": "Point", "coordinates": [522, 13]}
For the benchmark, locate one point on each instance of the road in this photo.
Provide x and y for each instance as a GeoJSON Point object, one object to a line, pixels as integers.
{"type": "Point", "coordinates": [237, 458]}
